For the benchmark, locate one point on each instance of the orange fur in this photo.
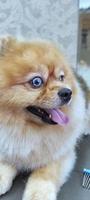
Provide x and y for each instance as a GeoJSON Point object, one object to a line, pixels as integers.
{"type": "Point", "coordinates": [21, 60]}
{"type": "Point", "coordinates": [28, 142]}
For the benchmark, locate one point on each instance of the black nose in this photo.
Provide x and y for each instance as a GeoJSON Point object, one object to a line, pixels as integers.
{"type": "Point", "coordinates": [65, 95]}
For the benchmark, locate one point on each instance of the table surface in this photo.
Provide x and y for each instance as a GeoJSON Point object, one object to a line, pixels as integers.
{"type": "Point", "coordinates": [72, 190]}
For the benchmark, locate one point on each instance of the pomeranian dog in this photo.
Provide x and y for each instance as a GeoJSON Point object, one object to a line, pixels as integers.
{"type": "Point", "coordinates": [42, 115]}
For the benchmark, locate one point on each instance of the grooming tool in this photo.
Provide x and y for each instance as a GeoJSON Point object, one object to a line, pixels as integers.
{"type": "Point", "coordinates": [86, 179]}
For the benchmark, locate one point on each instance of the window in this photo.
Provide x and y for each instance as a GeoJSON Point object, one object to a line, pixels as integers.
{"type": "Point", "coordinates": [84, 38]}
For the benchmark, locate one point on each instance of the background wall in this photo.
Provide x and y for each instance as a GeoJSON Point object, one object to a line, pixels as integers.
{"type": "Point", "coordinates": [55, 20]}
{"type": "Point", "coordinates": [84, 36]}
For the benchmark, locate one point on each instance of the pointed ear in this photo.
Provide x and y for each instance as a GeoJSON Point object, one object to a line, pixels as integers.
{"type": "Point", "coordinates": [6, 45]}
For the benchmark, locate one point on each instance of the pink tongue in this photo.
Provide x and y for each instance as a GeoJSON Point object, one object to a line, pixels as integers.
{"type": "Point", "coordinates": [58, 116]}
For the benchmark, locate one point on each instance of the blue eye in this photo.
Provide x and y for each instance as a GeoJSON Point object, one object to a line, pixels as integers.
{"type": "Point", "coordinates": [36, 82]}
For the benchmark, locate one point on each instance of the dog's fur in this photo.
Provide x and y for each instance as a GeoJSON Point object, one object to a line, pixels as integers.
{"type": "Point", "coordinates": [27, 143]}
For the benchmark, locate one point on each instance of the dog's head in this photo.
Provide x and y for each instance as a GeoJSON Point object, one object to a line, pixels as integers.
{"type": "Point", "coordinates": [35, 77]}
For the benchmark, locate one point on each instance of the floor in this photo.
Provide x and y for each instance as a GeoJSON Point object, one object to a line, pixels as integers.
{"type": "Point", "coordinates": [73, 189]}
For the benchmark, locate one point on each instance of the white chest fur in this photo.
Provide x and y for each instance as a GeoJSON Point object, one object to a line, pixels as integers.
{"type": "Point", "coordinates": [26, 147]}
{"type": "Point", "coordinates": [15, 146]}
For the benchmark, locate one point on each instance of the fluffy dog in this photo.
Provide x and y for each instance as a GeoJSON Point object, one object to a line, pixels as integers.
{"type": "Point", "coordinates": [42, 114]}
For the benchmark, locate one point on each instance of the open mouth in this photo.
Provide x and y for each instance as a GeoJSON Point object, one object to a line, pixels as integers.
{"type": "Point", "coordinates": [50, 116]}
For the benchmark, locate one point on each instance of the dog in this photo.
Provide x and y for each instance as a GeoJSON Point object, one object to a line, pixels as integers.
{"type": "Point", "coordinates": [42, 116]}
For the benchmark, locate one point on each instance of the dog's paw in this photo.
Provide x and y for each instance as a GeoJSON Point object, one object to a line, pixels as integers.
{"type": "Point", "coordinates": [39, 190]}
{"type": "Point", "coordinates": [7, 174]}
{"type": "Point", "coordinates": [5, 184]}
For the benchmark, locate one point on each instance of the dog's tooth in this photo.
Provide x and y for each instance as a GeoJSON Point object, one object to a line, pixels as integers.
{"type": "Point", "coordinates": [50, 116]}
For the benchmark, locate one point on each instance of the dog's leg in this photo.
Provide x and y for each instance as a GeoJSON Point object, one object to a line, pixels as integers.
{"type": "Point", "coordinates": [45, 182]}
{"type": "Point", "coordinates": [7, 174]}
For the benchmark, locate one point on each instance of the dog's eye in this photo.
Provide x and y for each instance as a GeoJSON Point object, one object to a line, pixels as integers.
{"type": "Point", "coordinates": [61, 77]}
{"type": "Point", "coordinates": [36, 82]}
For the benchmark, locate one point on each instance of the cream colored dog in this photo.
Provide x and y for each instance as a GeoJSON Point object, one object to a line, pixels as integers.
{"type": "Point", "coordinates": [42, 114]}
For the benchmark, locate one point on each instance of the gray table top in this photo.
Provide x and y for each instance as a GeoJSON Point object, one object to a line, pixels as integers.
{"type": "Point", "coordinates": [72, 190]}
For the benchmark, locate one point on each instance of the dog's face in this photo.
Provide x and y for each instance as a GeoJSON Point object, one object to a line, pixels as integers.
{"type": "Point", "coordinates": [35, 76]}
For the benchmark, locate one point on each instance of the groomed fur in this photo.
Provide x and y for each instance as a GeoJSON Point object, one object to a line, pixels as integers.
{"type": "Point", "coordinates": [26, 143]}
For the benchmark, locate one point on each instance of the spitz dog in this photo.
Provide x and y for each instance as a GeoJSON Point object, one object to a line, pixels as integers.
{"type": "Point", "coordinates": [42, 115]}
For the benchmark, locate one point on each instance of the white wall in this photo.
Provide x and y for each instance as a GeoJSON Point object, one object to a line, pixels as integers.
{"type": "Point", "coordinates": [55, 20]}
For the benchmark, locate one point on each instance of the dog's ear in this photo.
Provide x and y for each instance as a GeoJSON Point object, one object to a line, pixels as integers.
{"type": "Point", "coordinates": [6, 45]}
